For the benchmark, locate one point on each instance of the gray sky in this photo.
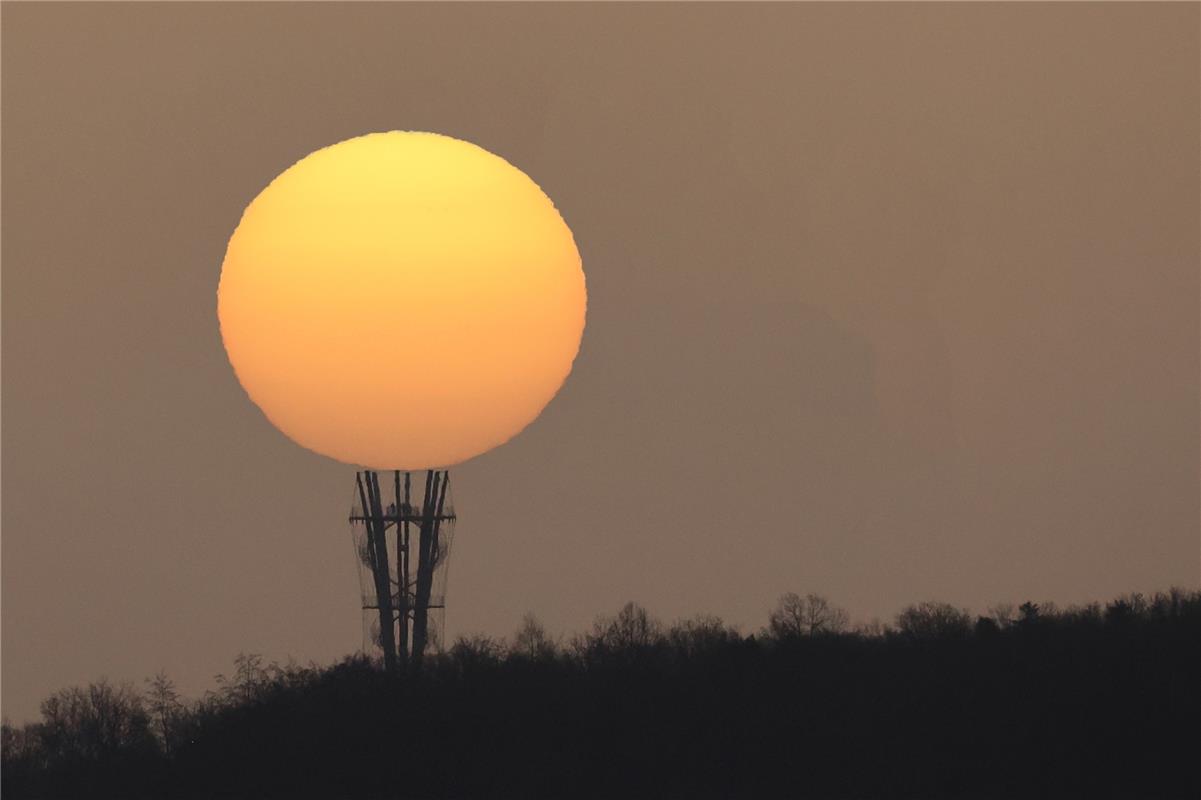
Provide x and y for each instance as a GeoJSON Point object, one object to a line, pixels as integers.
{"type": "Point", "coordinates": [887, 302]}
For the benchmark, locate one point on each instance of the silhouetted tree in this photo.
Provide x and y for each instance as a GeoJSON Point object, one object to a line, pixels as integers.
{"type": "Point", "coordinates": [532, 642]}
{"type": "Point", "coordinates": [631, 633]}
{"type": "Point", "coordinates": [873, 628]}
{"type": "Point", "coordinates": [1126, 607]}
{"type": "Point", "coordinates": [1029, 614]}
{"type": "Point", "coordinates": [986, 626]}
{"type": "Point", "coordinates": [811, 615]}
{"type": "Point", "coordinates": [476, 652]}
{"type": "Point", "coordinates": [931, 620]}
{"type": "Point", "coordinates": [1175, 604]}
{"type": "Point", "coordinates": [165, 708]}
{"type": "Point", "coordinates": [22, 756]}
{"type": "Point", "coordinates": [1078, 702]}
{"type": "Point", "coordinates": [1004, 614]}
{"type": "Point", "coordinates": [95, 722]}
{"type": "Point", "coordinates": [248, 676]}
{"type": "Point", "coordinates": [700, 634]}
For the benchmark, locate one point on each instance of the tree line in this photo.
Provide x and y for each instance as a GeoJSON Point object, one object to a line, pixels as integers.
{"type": "Point", "coordinates": [1100, 700]}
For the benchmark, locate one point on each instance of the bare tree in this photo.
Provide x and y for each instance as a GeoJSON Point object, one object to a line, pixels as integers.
{"type": "Point", "coordinates": [94, 722]}
{"type": "Point", "coordinates": [631, 632]}
{"type": "Point", "coordinates": [929, 620]}
{"type": "Point", "coordinates": [1173, 604]}
{"type": "Point", "coordinates": [472, 652]}
{"type": "Point", "coordinates": [1004, 614]}
{"type": "Point", "coordinates": [532, 642]}
{"type": "Point", "coordinates": [874, 629]}
{"type": "Point", "coordinates": [19, 743]}
{"type": "Point", "coordinates": [249, 676]}
{"type": "Point", "coordinates": [162, 701]}
{"type": "Point", "coordinates": [811, 615]}
{"type": "Point", "coordinates": [701, 633]}
{"type": "Point", "coordinates": [1126, 607]}
{"type": "Point", "coordinates": [632, 628]}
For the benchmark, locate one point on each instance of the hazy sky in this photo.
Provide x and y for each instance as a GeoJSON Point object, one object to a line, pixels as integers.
{"type": "Point", "coordinates": [886, 302]}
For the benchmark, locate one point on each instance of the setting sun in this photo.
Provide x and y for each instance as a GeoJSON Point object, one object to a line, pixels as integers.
{"type": "Point", "coordinates": [401, 300]}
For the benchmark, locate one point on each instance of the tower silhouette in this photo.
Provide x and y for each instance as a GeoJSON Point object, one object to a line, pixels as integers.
{"type": "Point", "coordinates": [399, 591]}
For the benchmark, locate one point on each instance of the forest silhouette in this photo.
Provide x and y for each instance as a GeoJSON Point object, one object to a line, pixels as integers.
{"type": "Point", "coordinates": [1101, 700]}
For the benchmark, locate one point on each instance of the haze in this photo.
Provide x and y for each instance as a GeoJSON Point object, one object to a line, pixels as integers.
{"type": "Point", "coordinates": [886, 302]}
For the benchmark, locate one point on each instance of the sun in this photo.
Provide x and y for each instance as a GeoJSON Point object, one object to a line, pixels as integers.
{"type": "Point", "coordinates": [401, 300]}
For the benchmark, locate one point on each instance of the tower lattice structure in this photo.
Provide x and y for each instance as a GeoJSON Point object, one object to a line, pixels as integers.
{"type": "Point", "coordinates": [402, 578]}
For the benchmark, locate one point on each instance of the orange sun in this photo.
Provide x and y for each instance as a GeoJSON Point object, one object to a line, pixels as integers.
{"type": "Point", "coordinates": [401, 300]}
